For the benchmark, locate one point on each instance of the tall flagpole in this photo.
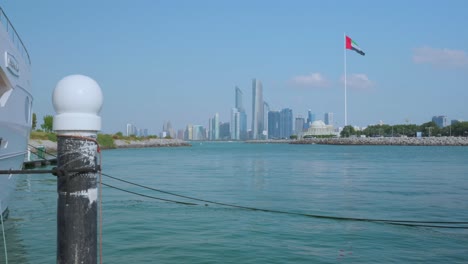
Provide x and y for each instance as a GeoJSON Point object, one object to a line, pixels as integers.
{"type": "Point", "coordinates": [345, 96]}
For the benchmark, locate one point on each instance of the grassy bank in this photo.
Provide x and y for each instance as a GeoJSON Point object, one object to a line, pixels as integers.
{"type": "Point", "coordinates": [106, 141]}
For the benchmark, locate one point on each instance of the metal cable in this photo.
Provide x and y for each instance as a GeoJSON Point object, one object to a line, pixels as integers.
{"type": "Point", "coordinates": [147, 196]}
{"type": "Point", "coordinates": [438, 224]}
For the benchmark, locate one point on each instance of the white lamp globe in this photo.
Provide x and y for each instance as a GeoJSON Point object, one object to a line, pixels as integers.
{"type": "Point", "coordinates": [77, 99]}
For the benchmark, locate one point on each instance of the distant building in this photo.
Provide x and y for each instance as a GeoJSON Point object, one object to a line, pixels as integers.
{"type": "Point", "coordinates": [198, 132]}
{"type": "Point", "coordinates": [243, 125]}
{"type": "Point", "coordinates": [441, 121]}
{"type": "Point", "coordinates": [319, 128]}
{"type": "Point", "coordinates": [167, 127]}
{"type": "Point", "coordinates": [224, 131]}
{"type": "Point", "coordinates": [310, 118]}
{"type": "Point", "coordinates": [257, 109]}
{"type": "Point", "coordinates": [214, 127]}
{"type": "Point", "coordinates": [238, 126]}
{"type": "Point", "coordinates": [180, 134]}
{"type": "Point", "coordinates": [188, 134]}
{"type": "Point", "coordinates": [286, 123]}
{"type": "Point", "coordinates": [273, 124]}
{"type": "Point", "coordinates": [242, 115]}
{"type": "Point", "coordinates": [299, 126]}
{"type": "Point", "coordinates": [328, 118]}
{"type": "Point", "coordinates": [131, 130]}
{"type": "Point", "coordinates": [239, 99]}
{"type": "Point", "coordinates": [235, 124]}
{"type": "Point", "coordinates": [455, 121]}
{"type": "Point", "coordinates": [266, 109]}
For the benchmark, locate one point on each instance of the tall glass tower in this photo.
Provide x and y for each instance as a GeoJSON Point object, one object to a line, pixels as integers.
{"type": "Point", "coordinates": [266, 109]}
{"type": "Point", "coordinates": [286, 123]}
{"type": "Point", "coordinates": [328, 118]}
{"type": "Point", "coordinates": [242, 122]}
{"type": "Point", "coordinates": [239, 95]}
{"type": "Point", "coordinates": [257, 109]}
{"type": "Point", "coordinates": [235, 124]}
{"type": "Point", "coordinates": [273, 124]}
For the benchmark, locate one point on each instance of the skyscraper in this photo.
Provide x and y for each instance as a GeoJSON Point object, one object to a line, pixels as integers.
{"type": "Point", "coordinates": [266, 109]}
{"type": "Point", "coordinates": [310, 118]}
{"type": "Point", "coordinates": [188, 132]}
{"type": "Point", "coordinates": [257, 109]}
{"type": "Point", "coordinates": [299, 125]}
{"type": "Point", "coordinates": [131, 130]}
{"type": "Point", "coordinates": [273, 124]}
{"type": "Point", "coordinates": [328, 118]}
{"type": "Point", "coordinates": [242, 122]}
{"type": "Point", "coordinates": [215, 127]}
{"type": "Point", "coordinates": [235, 124]}
{"type": "Point", "coordinates": [238, 103]}
{"type": "Point", "coordinates": [197, 132]}
{"type": "Point", "coordinates": [224, 131]}
{"type": "Point", "coordinates": [167, 128]}
{"type": "Point", "coordinates": [280, 124]}
{"type": "Point", "coordinates": [243, 125]}
{"type": "Point", "coordinates": [441, 121]}
{"type": "Point", "coordinates": [286, 123]}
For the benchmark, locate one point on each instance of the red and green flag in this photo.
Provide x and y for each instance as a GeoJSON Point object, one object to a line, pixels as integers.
{"type": "Point", "coordinates": [352, 45]}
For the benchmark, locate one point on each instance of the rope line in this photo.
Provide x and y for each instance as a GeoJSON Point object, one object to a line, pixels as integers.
{"type": "Point", "coordinates": [438, 224]}
{"type": "Point", "coordinates": [46, 152]}
{"type": "Point", "coordinates": [147, 196]}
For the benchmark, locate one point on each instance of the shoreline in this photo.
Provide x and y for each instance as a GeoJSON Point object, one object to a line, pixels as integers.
{"type": "Point", "coordinates": [150, 143]}
{"type": "Point", "coordinates": [389, 141]}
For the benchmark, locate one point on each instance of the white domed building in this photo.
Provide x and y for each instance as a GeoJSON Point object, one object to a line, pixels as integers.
{"type": "Point", "coordinates": [318, 128]}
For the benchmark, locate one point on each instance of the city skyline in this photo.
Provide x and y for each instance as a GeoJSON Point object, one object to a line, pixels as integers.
{"type": "Point", "coordinates": [277, 124]}
{"type": "Point", "coordinates": [178, 61]}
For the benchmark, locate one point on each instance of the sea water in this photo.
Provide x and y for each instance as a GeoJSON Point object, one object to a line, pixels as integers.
{"type": "Point", "coordinates": [377, 182]}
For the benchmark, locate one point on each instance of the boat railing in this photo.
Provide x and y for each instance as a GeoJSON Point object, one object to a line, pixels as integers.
{"type": "Point", "coordinates": [14, 37]}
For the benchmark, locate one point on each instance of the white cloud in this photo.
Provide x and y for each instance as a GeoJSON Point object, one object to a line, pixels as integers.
{"type": "Point", "coordinates": [440, 57]}
{"type": "Point", "coordinates": [358, 81]}
{"type": "Point", "coordinates": [313, 80]}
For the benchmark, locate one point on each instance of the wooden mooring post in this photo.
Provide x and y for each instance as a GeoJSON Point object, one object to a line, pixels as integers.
{"type": "Point", "coordinates": [77, 99]}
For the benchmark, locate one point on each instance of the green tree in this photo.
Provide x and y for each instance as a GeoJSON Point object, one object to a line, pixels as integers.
{"type": "Point", "coordinates": [48, 123]}
{"type": "Point", "coordinates": [105, 141]}
{"type": "Point", "coordinates": [348, 131]}
{"type": "Point", "coordinates": [459, 129]}
{"type": "Point", "coordinates": [430, 129]}
{"type": "Point", "coordinates": [294, 137]}
{"type": "Point", "coordinates": [34, 121]}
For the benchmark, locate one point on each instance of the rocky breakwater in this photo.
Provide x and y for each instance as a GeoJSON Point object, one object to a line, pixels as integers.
{"type": "Point", "coordinates": [150, 143]}
{"type": "Point", "coordinates": [398, 141]}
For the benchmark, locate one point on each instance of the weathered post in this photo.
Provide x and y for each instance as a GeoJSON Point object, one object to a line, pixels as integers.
{"type": "Point", "coordinates": [77, 99]}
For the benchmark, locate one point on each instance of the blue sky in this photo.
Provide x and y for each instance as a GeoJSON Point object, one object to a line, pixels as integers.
{"type": "Point", "coordinates": [180, 60]}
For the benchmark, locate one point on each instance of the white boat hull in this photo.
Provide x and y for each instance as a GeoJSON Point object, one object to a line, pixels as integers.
{"type": "Point", "coordinates": [15, 106]}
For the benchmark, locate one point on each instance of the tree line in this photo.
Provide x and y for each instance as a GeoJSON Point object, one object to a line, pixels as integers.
{"type": "Point", "coordinates": [429, 129]}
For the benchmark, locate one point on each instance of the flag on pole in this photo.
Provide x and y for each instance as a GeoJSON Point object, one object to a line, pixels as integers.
{"type": "Point", "coordinates": [350, 44]}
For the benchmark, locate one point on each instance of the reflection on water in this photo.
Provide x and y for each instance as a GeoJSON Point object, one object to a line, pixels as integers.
{"type": "Point", "coordinates": [32, 222]}
{"type": "Point", "coordinates": [15, 249]}
{"type": "Point", "coordinates": [258, 173]}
